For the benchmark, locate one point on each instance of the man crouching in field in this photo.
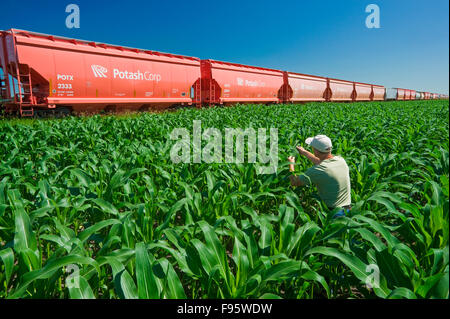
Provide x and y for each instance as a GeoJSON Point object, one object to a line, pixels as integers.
{"type": "Point", "coordinates": [330, 174]}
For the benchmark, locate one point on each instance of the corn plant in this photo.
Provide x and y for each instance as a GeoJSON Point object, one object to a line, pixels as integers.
{"type": "Point", "coordinates": [93, 207]}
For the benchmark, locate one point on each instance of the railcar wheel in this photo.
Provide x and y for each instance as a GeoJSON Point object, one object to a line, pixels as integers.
{"type": "Point", "coordinates": [62, 112]}
{"type": "Point", "coordinates": [41, 114]}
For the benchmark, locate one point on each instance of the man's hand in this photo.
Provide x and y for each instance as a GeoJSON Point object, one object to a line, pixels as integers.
{"type": "Point", "coordinates": [295, 181]}
{"type": "Point", "coordinates": [301, 150]}
{"type": "Point", "coordinates": [291, 160]}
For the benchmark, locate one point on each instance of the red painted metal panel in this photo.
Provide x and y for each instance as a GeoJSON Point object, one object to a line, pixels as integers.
{"type": "Point", "coordinates": [401, 94]}
{"type": "Point", "coordinates": [341, 90]}
{"type": "Point", "coordinates": [2, 55]}
{"type": "Point", "coordinates": [224, 82]}
{"type": "Point", "coordinates": [9, 47]}
{"type": "Point", "coordinates": [363, 91]}
{"type": "Point", "coordinates": [413, 94]}
{"type": "Point", "coordinates": [378, 93]}
{"type": "Point", "coordinates": [4, 78]}
{"type": "Point", "coordinates": [304, 87]}
{"type": "Point", "coordinates": [71, 71]}
{"type": "Point", "coordinates": [409, 94]}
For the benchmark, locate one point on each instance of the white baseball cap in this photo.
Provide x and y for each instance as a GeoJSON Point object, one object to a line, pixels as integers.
{"type": "Point", "coordinates": [322, 143]}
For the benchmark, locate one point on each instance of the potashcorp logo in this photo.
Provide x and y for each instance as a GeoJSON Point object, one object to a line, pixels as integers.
{"type": "Point", "coordinates": [138, 75]}
{"type": "Point", "coordinates": [242, 82]}
{"type": "Point", "coordinates": [99, 71]}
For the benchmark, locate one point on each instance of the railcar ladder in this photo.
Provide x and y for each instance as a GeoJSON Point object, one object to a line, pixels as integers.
{"type": "Point", "coordinates": [198, 93]}
{"type": "Point", "coordinates": [212, 99]}
{"type": "Point", "coordinates": [3, 89]}
{"type": "Point", "coordinates": [25, 93]}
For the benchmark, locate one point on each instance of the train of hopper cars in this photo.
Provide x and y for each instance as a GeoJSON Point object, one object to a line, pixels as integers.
{"type": "Point", "coordinates": [43, 74]}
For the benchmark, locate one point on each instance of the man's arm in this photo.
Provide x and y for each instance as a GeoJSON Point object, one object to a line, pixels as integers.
{"type": "Point", "coordinates": [295, 181]}
{"type": "Point", "coordinates": [308, 155]}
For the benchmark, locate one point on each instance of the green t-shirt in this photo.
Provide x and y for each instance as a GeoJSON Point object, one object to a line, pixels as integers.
{"type": "Point", "coordinates": [332, 179]}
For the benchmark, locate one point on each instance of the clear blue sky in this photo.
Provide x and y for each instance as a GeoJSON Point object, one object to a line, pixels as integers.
{"type": "Point", "coordinates": [321, 37]}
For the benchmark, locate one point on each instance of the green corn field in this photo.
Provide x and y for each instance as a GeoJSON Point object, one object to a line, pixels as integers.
{"type": "Point", "coordinates": [93, 207]}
